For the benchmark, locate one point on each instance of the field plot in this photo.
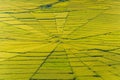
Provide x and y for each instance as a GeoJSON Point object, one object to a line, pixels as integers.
{"type": "Point", "coordinates": [59, 40]}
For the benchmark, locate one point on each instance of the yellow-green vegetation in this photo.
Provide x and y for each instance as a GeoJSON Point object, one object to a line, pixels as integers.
{"type": "Point", "coordinates": [59, 39]}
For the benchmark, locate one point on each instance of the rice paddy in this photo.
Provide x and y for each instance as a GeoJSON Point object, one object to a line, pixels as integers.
{"type": "Point", "coordinates": [59, 40]}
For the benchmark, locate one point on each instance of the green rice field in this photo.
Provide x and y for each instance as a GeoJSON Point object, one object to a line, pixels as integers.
{"type": "Point", "coordinates": [59, 39]}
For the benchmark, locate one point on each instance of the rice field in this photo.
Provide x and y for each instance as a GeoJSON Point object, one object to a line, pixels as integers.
{"type": "Point", "coordinates": [59, 39]}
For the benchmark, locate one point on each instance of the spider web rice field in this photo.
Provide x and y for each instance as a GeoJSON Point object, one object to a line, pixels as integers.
{"type": "Point", "coordinates": [59, 40]}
